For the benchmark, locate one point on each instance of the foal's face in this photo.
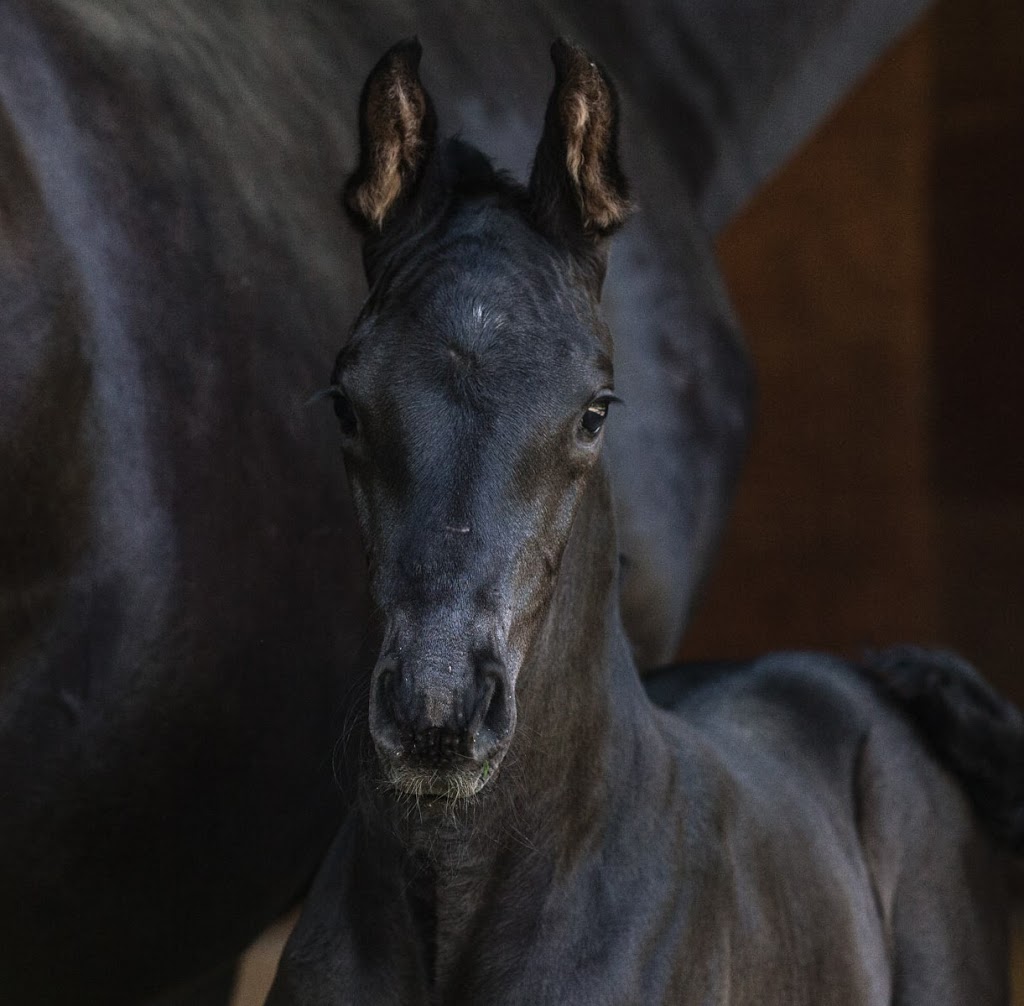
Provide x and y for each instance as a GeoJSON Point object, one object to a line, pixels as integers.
{"type": "Point", "coordinates": [474, 389]}
{"type": "Point", "coordinates": [471, 398]}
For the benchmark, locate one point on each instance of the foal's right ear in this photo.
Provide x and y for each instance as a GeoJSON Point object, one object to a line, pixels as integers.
{"type": "Point", "coordinates": [397, 133]}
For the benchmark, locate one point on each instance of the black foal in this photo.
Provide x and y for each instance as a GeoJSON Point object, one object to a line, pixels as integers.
{"type": "Point", "coordinates": [533, 829]}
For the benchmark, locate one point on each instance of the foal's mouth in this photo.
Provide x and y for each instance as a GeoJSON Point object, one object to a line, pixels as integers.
{"type": "Point", "coordinates": [449, 783]}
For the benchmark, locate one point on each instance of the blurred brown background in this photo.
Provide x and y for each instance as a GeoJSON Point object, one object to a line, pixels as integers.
{"type": "Point", "coordinates": [880, 278]}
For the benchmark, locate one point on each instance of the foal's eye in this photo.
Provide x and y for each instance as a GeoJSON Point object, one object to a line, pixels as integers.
{"type": "Point", "coordinates": [597, 411]}
{"type": "Point", "coordinates": [345, 413]}
{"type": "Point", "coordinates": [593, 419]}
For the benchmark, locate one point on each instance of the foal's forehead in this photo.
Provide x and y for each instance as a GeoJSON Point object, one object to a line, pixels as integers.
{"type": "Point", "coordinates": [491, 294]}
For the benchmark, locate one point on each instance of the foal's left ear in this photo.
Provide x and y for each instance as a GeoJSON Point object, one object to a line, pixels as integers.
{"type": "Point", "coordinates": [577, 188]}
{"type": "Point", "coordinates": [397, 131]}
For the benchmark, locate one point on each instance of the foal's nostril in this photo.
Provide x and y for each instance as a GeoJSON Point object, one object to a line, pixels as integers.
{"type": "Point", "coordinates": [495, 718]}
{"type": "Point", "coordinates": [492, 718]}
{"type": "Point", "coordinates": [387, 688]}
{"type": "Point", "coordinates": [384, 718]}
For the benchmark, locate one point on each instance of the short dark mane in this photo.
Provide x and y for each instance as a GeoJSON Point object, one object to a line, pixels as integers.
{"type": "Point", "coordinates": [467, 173]}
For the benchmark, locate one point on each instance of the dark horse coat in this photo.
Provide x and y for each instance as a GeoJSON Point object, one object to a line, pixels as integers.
{"type": "Point", "coordinates": [532, 829]}
{"type": "Point", "coordinates": [183, 619]}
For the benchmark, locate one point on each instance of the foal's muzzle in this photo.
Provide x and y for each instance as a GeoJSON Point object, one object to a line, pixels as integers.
{"type": "Point", "coordinates": [441, 731]}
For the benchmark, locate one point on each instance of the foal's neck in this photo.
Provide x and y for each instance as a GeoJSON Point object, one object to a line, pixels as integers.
{"type": "Point", "coordinates": [584, 727]}
{"type": "Point", "coordinates": [581, 705]}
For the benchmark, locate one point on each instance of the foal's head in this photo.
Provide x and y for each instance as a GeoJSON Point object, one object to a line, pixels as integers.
{"type": "Point", "coordinates": [471, 398]}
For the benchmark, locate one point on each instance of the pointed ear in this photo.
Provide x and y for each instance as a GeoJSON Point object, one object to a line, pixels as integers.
{"type": "Point", "coordinates": [397, 132]}
{"type": "Point", "coordinates": [577, 188]}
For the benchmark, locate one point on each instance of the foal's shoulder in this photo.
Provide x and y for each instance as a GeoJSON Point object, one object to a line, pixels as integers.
{"type": "Point", "coordinates": [905, 721]}
{"type": "Point", "coordinates": [790, 724]}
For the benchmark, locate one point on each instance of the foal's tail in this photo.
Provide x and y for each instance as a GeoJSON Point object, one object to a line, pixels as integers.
{"type": "Point", "coordinates": [976, 733]}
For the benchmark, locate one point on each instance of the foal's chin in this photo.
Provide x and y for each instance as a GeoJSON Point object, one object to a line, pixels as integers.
{"type": "Point", "coordinates": [450, 785]}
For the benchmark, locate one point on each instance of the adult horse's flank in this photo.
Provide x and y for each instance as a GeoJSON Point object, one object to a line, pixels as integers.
{"type": "Point", "coordinates": [533, 829]}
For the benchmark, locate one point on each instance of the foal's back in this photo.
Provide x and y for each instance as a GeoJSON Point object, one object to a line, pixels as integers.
{"type": "Point", "coordinates": [857, 861]}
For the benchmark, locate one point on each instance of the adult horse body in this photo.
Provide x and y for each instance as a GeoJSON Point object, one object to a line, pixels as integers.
{"type": "Point", "coordinates": [532, 829]}
{"type": "Point", "coordinates": [183, 616]}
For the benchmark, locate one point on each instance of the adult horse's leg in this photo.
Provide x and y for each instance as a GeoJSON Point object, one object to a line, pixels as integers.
{"type": "Point", "coordinates": [43, 414]}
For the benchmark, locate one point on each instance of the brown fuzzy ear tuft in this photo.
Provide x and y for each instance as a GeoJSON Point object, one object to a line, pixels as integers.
{"type": "Point", "coordinates": [576, 176]}
{"type": "Point", "coordinates": [397, 130]}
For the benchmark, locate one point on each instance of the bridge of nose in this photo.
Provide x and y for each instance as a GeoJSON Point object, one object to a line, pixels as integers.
{"type": "Point", "coordinates": [436, 588]}
{"type": "Point", "coordinates": [455, 513]}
